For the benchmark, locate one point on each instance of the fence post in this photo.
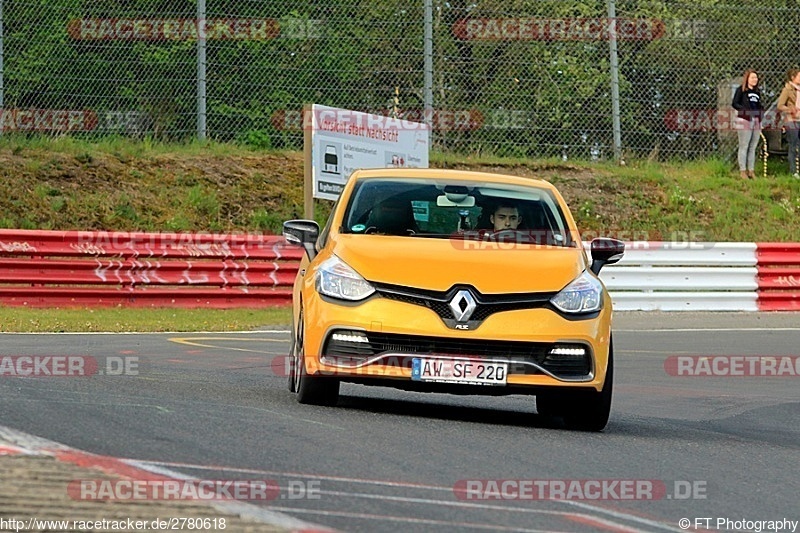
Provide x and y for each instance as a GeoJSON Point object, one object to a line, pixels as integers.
{"type": "Point", "coordinates": [2, 65]}
{"type": "Point", "coordinates": [614, 64]}
{"type": "Point", "coordinates": [428, 77]}
{"type": "Point", "coordinates": [201, 69]}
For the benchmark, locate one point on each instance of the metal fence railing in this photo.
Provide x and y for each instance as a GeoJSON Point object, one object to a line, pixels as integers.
{"type": "Point", "coordinates": [513, 77]}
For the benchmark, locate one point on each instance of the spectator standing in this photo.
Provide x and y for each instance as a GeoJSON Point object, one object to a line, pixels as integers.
{"type": "Point", "coordinates": [748, 104]}
{"type": "Point", "coordinates": [788, 103]}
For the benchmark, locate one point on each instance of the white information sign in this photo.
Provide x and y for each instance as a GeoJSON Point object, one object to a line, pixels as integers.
{"type": "Point", "coordinates": [343, 141]}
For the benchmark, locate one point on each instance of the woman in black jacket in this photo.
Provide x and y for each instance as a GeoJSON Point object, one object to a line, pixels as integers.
{"type": "Point", "coordinates": [748, 104]}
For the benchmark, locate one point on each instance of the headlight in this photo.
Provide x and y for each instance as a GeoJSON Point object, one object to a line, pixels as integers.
{"type": "Point", "coordinates": [583, 295]}
{"type": "Point", "coordinates": [337, 280]}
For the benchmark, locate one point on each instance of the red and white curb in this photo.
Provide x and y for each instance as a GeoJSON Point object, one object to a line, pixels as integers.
{"type": "Point", "coordinates": [14, 442]}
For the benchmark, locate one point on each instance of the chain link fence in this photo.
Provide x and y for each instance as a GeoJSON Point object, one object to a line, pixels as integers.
{"type": "Point", "coordinates": [514, 77]}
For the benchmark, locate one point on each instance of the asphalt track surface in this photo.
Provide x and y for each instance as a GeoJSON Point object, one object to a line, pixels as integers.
{"type": "Point", "coordinates": [211, 406]}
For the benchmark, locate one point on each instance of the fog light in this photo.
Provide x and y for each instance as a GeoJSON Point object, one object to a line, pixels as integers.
{"type": "Point", "coordinates": [352, 336]}
{"type": "Point", "coordinates": [563, 350]}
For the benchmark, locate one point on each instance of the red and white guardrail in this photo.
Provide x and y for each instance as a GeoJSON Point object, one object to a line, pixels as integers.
{"type": "Point", "coordinates": [721, 276]}
{"type": "Point", "coordinates": [778, 276]}
{"type": "Point", "coordinates": [87, 268]}
{"type": "Point", "coordinates": [97, 268]}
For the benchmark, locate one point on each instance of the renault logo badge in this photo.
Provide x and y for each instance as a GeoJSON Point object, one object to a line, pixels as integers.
{"type": "Point", "coordinates": [462, 305]}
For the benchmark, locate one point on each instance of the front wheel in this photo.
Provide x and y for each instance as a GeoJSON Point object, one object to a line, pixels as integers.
{"type": "Point", "coordinates": [292, 384]}
{"type": "Point", "coordinates": [313, 390]}
{"type": "Point", "coordinates": [581, 410]}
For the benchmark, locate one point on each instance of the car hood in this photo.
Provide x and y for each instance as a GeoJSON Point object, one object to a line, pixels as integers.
{"type": "Point", "coordinates": [438, 264]}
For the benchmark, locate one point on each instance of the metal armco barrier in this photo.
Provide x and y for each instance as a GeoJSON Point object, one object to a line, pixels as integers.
{"type": "Point", "coordinates": [778, 276]}
{"type": "Point", "coordinates": [682, 276]}
{"type": "Point", "coordinates": [706, 277]}
{"type": "Point", "coordinates": [82, 268]}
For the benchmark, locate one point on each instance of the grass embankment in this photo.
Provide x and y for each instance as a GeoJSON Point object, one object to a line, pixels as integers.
{"type": "Point", "coordinates": [123, 185]}
{"type": "Point", "coordinates": [116, 319]}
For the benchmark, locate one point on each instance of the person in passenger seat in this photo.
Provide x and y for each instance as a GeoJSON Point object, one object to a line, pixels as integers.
{"type": "Point", "coordinates": [392, 217]}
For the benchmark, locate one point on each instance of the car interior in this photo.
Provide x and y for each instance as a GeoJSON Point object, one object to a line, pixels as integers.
{"type": "Point", "coordinates": [393, 216]}
{"type": "Point", "coordinates": [397, 209]}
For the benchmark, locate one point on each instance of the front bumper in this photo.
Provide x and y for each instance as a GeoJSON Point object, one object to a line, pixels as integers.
{"type": "Point", "coordinates": [397, 331]}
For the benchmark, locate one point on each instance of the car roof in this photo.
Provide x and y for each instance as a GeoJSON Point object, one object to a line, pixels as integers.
{"type": "Point", "coordinates": [452, 174]}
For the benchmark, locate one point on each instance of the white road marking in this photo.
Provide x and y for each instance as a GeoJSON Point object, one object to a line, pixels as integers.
{"type": "Point", "coordinates": [245, 509]}
{"type": "Point", "coordinates": [623, 516]}
{"type": "Point", "coordinates": [387, 518]}
{"type": "Point", "coordinates": [620, 515]}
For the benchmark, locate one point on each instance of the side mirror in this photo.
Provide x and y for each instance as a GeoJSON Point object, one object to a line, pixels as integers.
{"type": "Point", "coordinates": [605, 252]}
{"type": "Point", "coordinates": [302, 233]}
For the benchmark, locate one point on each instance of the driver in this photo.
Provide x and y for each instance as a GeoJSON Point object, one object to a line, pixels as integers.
{"type": "Point", "coordinates": [505, 216]}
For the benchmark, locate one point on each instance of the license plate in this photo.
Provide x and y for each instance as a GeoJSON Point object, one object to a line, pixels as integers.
{"type": "Point", "coordinates": [459, 371]}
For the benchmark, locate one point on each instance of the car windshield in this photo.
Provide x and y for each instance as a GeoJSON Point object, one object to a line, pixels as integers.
{"type": "Point", "coordinates": [448, 208]}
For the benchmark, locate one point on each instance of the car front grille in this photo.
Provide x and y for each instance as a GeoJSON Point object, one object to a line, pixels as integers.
{"type": "Point", "coordinates": [486, 304]}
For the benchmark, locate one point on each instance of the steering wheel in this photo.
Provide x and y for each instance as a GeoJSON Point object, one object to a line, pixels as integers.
{"type": "Point", "coordinates": [504, 235]}
{"type": "Point", "coordinates": [374, 230]}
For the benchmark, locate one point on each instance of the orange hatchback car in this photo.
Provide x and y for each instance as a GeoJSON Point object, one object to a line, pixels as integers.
{"type": "Point", "coordinates": [449, 281]}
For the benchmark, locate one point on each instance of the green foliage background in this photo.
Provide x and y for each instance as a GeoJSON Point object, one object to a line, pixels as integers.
{"type": "Point", "coordinates": [356, 53]}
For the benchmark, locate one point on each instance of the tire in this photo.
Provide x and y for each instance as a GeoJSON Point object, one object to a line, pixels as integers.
{"type": "Point", "coordinates": [550, 404]}
{"type": "Point", "coordinates": [584, 410]}
{"type": "Point", "coordinates": [310, 390]}
{"type": "Point", "coordinates": [293, 363]}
